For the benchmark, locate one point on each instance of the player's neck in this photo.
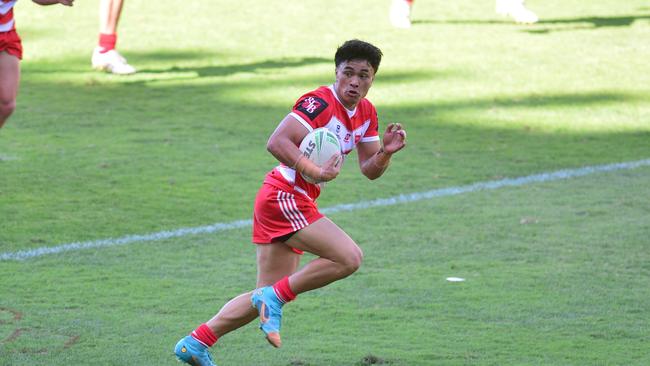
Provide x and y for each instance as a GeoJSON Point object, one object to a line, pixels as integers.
{"type": "Point", "coordinates": [350, 108]}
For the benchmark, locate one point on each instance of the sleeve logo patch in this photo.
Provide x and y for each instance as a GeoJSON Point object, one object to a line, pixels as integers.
{"type": "Point", "coordinates": [312, 106]}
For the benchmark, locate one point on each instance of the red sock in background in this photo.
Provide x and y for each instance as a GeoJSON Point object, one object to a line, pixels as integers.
{"type": "Point", "coordinates": [205, 335]}
{"type": "Point", "coordinates": [107, 42]}
{"type": "Point", "coordinates": [283, 291]}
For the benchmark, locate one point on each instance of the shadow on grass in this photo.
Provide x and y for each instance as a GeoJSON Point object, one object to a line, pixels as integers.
{"type": "Point", "coordinates": [585, 23]}
{"type": "Point", "coordinates": [149, 74]}
{"type": "Point", "coordinates": [536, 101]}
{"type": "Point", "coordinates": [578, 23]}
{"type": "Point", "coordinates": [599, 22]}
{"type": "Point", "coordinates": [79, 64]}
{"type": "Point", "coordinates": [269, 66]}
{"type": "Point", "coordinates": [224, 70]}
{"type": "Point", "coordinates": [176, 55]}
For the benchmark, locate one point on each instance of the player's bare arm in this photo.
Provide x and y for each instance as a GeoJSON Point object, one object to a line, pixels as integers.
{"type": "Point", "coordinates": [283, 145]}
{"type": "Point", "coordinates": [373, 158]}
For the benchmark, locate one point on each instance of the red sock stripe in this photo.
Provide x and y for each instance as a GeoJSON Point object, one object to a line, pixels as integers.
{"type": "Point", "coordinates": [205, 335]}
{"type": "Point", "coordinates": [283, 290]}
{"type": "Point", "coordinates": [107, 41]}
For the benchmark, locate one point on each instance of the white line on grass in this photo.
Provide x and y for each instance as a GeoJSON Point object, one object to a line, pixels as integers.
{"type": "Point", "coordinates": [402, 198]}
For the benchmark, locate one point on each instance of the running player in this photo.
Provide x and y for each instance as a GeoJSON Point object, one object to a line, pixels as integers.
{"type": "Point", "coordinates": [400, 12]}
{"type": "Point", "coordinates": [11, 52]}
{"type": "Point", "coordinates": [286, 221]}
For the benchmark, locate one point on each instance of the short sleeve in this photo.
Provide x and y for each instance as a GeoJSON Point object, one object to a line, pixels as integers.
{"type": "Point", "coordinates": [312, 110]}
{"type": "Point", "coordinates": [372, 132]}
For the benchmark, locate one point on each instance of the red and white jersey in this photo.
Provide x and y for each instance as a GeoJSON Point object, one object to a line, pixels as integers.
{"type": "Point", "coordinates": [322, 108]}
{"type": "Point", "coordinates": [7, 15]}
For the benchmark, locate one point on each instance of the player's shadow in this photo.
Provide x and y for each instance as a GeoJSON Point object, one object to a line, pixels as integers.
{"type": "Point", "coordinates": [254, 67]}
{"type": "Point", "coordinates": [558, 24]}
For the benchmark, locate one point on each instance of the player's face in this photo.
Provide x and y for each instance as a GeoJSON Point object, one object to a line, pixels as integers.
{"type": "Point", "coordinates": [353, 80]}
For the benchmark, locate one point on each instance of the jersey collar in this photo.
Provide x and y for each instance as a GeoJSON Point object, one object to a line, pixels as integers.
{"type": "Point", "coordinates": [351, 113]}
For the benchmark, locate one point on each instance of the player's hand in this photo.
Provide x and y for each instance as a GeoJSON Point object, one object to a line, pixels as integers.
{"type": "Point", "coordinates": [394, 138]}
{"type": "Point", "coordinates": [331, 168]}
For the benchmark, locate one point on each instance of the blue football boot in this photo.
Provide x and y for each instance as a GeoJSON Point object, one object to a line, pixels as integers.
{"type": "Point", "coordinates": [193, 352]}
{"type": "Point", "coordinates": [270, 308]}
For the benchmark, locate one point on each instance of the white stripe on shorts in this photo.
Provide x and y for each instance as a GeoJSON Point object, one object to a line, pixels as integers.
{"type": "Point", "coordinates": [297, 210]}
{"type": "Point", "coordinates": [291, 205]}
{"type": "Point", "coordinates": [287, 214]}
{"type": "Point", "coordinates": [290, 210]}
{"type": "Point", "coordinates": [287, 211]}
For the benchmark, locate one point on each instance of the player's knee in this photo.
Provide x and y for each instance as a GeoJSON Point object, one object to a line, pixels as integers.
{"type": "Point", "coordinates": [352, 261]}
{"type": "Point", "coordinates": [6, 108]}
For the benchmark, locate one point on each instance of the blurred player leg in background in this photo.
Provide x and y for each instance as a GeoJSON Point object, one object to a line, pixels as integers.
{"type": "Point", "coordinates": [11, 52]}
{"type": "Point", "coordinates": [400, 12]}
{"type": "Point", "coordinates": [105, 56]}
{"type": "Point", "coordinates": [9, 78]}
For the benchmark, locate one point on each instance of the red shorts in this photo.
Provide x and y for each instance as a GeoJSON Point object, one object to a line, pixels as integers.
{"type": "Point", "coordinates": [278, 213]}
{"type": "Point", "coordinates": [10, 43]}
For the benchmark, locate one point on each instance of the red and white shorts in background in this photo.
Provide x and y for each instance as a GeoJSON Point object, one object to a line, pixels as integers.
{"type": "Point", "coordinates": [278, 213]}
{"type": "Point", "coordinates": [10, 43]}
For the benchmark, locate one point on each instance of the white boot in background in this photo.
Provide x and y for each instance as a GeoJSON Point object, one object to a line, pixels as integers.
{"type": "Point", "coordinates": [400, 14]}
{"type": "Point", "coordinates": [517, 10]}
{"type": "Point", "coordinates": [111, 61]}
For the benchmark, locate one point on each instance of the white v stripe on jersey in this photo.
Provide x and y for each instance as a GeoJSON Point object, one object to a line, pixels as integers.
{"type": "Point", "coordinates": [290, 210]}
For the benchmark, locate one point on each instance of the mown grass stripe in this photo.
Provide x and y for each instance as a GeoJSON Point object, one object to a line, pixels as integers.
{"type": "Point", "coordinates": [399, 199]}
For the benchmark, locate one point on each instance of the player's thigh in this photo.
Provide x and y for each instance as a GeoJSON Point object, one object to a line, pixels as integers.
{"type": "Point", "coordinates": [325, 239]}
{"type": "Point", "coordinates": [9, 77]}
{"type": "Point", "coordinates": [274, 262]}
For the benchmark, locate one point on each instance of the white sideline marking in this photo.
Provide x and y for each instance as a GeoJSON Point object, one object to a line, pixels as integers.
{"type": "Point", "coordinates": [402, 198]}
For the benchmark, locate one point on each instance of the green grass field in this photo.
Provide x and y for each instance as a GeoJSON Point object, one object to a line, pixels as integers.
{"type": "Point", "coordinates": [557, 273]}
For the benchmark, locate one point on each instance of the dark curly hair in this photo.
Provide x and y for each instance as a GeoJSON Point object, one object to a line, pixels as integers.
{"type": "Point", "coordinates": [358, 50]}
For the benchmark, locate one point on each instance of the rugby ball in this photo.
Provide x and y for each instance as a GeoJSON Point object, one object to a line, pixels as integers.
{"type": "Point", "coordinates": [319, 146]}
